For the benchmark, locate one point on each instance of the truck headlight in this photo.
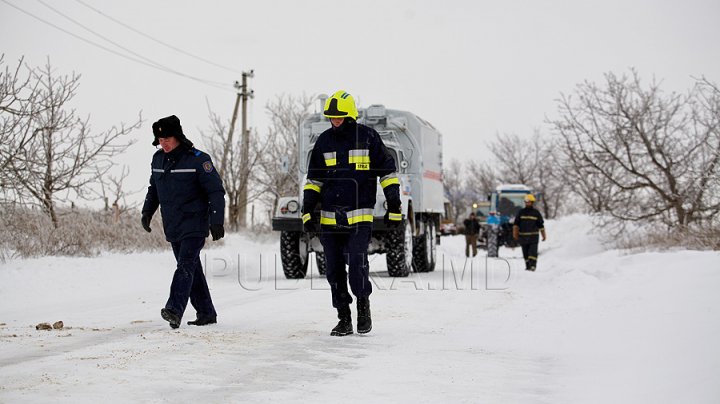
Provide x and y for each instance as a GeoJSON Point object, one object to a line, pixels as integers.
{"type": "Point", "coordinates": [293, 206]}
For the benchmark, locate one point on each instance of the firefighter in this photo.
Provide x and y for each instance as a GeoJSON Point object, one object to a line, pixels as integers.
{"type": "Point", "coordinates": [526, 228]}
{"type": "Point", "coordinates": [190, 193]}
{"type": "Point", "coordinates": [343, 172]}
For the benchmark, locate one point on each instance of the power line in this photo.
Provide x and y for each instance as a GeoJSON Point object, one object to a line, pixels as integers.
{"type": "Point", "coordinates": [148, 64]}
{"type": "Point", "coordinates": [155, 39]}
{"type": "Point", "coordinates": [162, 67]}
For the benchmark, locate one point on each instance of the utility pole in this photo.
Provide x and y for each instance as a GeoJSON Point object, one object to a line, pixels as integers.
{"type": "Point", "coordinates": [245, 150]}
{"type": "Point", "coordinates": [228, 141]}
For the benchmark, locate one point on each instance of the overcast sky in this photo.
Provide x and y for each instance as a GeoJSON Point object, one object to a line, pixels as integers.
{"type": "Point", "coordinates": [472, 68]}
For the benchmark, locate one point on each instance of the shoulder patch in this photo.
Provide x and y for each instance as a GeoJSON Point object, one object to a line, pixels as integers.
{"type": "Point", "coordinates": [207, 166]}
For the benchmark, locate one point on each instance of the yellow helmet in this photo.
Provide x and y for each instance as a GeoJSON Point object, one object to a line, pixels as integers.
{"type": "Point", "coordinates": [340, 105]}
{"type": "Point", "coordinates": [529, 198]}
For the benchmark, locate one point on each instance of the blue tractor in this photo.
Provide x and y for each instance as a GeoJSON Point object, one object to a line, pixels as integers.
{"type": "Point", "coordinates": [505, 202]}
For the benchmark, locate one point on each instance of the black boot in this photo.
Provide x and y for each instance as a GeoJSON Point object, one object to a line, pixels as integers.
{"type": "Point", "coordinates": [170, 317]}
{"type": "Point", "coordinates": [344, 326]}
{"type": "Point", "coordinates": [203, 321]}
{"type": "Point", "coordinates": [364, 323]}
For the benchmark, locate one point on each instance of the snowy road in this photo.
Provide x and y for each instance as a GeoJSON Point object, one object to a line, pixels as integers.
{"type": "Point", "coordinates": [589, 326]}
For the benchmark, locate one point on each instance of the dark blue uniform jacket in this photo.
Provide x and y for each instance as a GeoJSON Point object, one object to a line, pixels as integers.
{"type": "Point", "coordinates": [189, 191]}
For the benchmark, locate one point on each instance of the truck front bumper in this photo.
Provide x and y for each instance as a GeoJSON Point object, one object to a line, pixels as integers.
{"type": "Point", "coordinates": [287, 224]}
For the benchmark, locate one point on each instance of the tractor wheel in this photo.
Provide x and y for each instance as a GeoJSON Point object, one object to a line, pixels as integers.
{"type": "Point", "coordinates": [492, 242]}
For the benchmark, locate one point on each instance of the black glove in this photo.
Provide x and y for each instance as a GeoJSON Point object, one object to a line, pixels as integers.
{"type": "Point", "coordinates": [217, 231]}
{"type": "Point", "coordinates": [145, 220]}
{"type": "Point", "coordinates": [393, 207]}
{"type": "Point", "coordinates": [309, 226]}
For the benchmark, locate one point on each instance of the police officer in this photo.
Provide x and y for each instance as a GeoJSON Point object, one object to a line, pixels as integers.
{"type": "Point", "coordinates": [189, 191]}
{"type": "Point", "coordinates": [528, 224]}
{"type": "Point", "coordinates": [343, 172]}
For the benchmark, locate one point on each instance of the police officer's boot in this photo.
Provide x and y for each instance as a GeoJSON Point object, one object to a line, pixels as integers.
{"type": "Point", "coordinates": [170, 316]}
{"type": "Point", "coordinates": [203, 321]}
{"type": "Point", "coordinates": [364, 323]}
{"type": "Point", "coordinates": [344, 326]}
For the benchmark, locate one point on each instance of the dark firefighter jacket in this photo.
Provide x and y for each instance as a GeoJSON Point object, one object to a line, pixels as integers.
{"type": "Point", "coordinates": [189, 191]}
{"type": "Point", "coordinates": [529, 222]}
{"type": "Point", "coordinates": [343, 171]}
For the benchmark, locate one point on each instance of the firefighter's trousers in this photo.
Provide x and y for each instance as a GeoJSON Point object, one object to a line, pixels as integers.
{"type": "Point", "coordinates": [347, 246]}
{"type": "Point", "coordinates": [530, 253]}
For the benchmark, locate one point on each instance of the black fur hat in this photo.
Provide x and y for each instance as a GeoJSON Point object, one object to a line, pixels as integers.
{"type": "Point", "coordinates": [169, 127]}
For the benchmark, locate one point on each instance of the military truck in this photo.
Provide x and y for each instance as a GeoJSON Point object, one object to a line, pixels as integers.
{"type": "Point", "coordinates": [505, 202]}
{"type": "Point", "coordinates": [416, 147]}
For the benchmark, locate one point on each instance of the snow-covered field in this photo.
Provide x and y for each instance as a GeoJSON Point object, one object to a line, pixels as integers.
{"type": "Point", "coordinates": [589, 326]}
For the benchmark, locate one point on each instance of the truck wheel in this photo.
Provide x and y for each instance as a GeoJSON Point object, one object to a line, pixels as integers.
{"type": "Point", "coordinates": [424, 249]}
{"type": "Point", "coordinates": [399, 246]}
{"type": "Point", "coordinates": [492, 242]}
{"type": "Point", "coordinates": [320, 261]}
{"type": "Point", "coordinates": [293, 254]}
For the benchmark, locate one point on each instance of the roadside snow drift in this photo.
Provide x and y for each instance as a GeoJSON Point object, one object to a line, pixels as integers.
{"type": "Point", "coordinates": [589, 326]}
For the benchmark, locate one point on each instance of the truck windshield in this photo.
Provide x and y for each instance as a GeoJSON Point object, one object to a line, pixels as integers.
{"type": "Point", "coordinates": [482, 211]}
{"type": "Point", "coordinates": [510, 204]}
{"type": "Point", "coordinates": [394, 155]}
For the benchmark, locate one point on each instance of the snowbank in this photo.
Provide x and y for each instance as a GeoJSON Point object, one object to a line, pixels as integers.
{"type": "Point", "coordinates": [589, 326]}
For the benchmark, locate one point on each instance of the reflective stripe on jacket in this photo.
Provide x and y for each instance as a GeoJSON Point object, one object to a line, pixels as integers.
{"type": "Point", "coordinates": [186, 186]}
{"type": "Point", "coordinates": [529, 222]}
{"type": "Point", "coordinates": [343, 173]}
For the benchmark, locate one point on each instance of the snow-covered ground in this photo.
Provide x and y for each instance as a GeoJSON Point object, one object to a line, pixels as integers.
{"type": "Point", "coordinates": [589, 326]}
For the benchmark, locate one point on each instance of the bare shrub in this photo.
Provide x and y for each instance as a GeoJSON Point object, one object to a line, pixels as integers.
{"type": "Point", "coordinates": [696, 237]}
{"type": "Point", "coordinates": [28, 233]}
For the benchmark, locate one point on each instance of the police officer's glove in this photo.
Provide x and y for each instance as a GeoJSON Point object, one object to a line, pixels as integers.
{"type": "Point", "coordinates": [145, 220]}
{"type": "Point", "coordinates": [309, 225]}
{"type": "Point", "coordinates": [217, 231]}
{"type": "Point", "coordinates": [393, 216]}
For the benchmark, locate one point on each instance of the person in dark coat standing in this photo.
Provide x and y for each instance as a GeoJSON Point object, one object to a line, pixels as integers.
{"type": "Point", "coordinates": [189, 191]}
{"type": "Point", "coordinates": [527, 226]}
{"type": "Point", "coordinates": [345, 164]}
{"type": "Point", "coordinates": [472, 230]}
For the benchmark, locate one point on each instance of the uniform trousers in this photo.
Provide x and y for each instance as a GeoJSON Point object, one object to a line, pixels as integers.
{"type": "Point", "coordinates": [347, 246]}
{"type": "Point", "coordinates": [189, 280]}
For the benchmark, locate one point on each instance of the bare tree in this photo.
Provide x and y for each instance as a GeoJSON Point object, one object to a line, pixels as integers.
{"type": "Point", "coordinates": [63, 156]}
{"type": "Point", "coordinates": [455, 191]}
{"type": "Point", "coordinates": [530, 162]}
{"type": "Point", "coordinates": [278, 167]}
{"type": "Point", "coordinates": [236, 173]}
{"type": "Point", "coordinates": [112, 191]}
{"type": "Point", "coordinates": [18, 95]}
{"type": "Point", "coordinates": [657, 153]}
{"type": "Point", "coordinates": [516, 159]}
{"type": "Point", "coordinates": [595, 191]}
{"type": "Point", "coordinates": [480, 180]}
